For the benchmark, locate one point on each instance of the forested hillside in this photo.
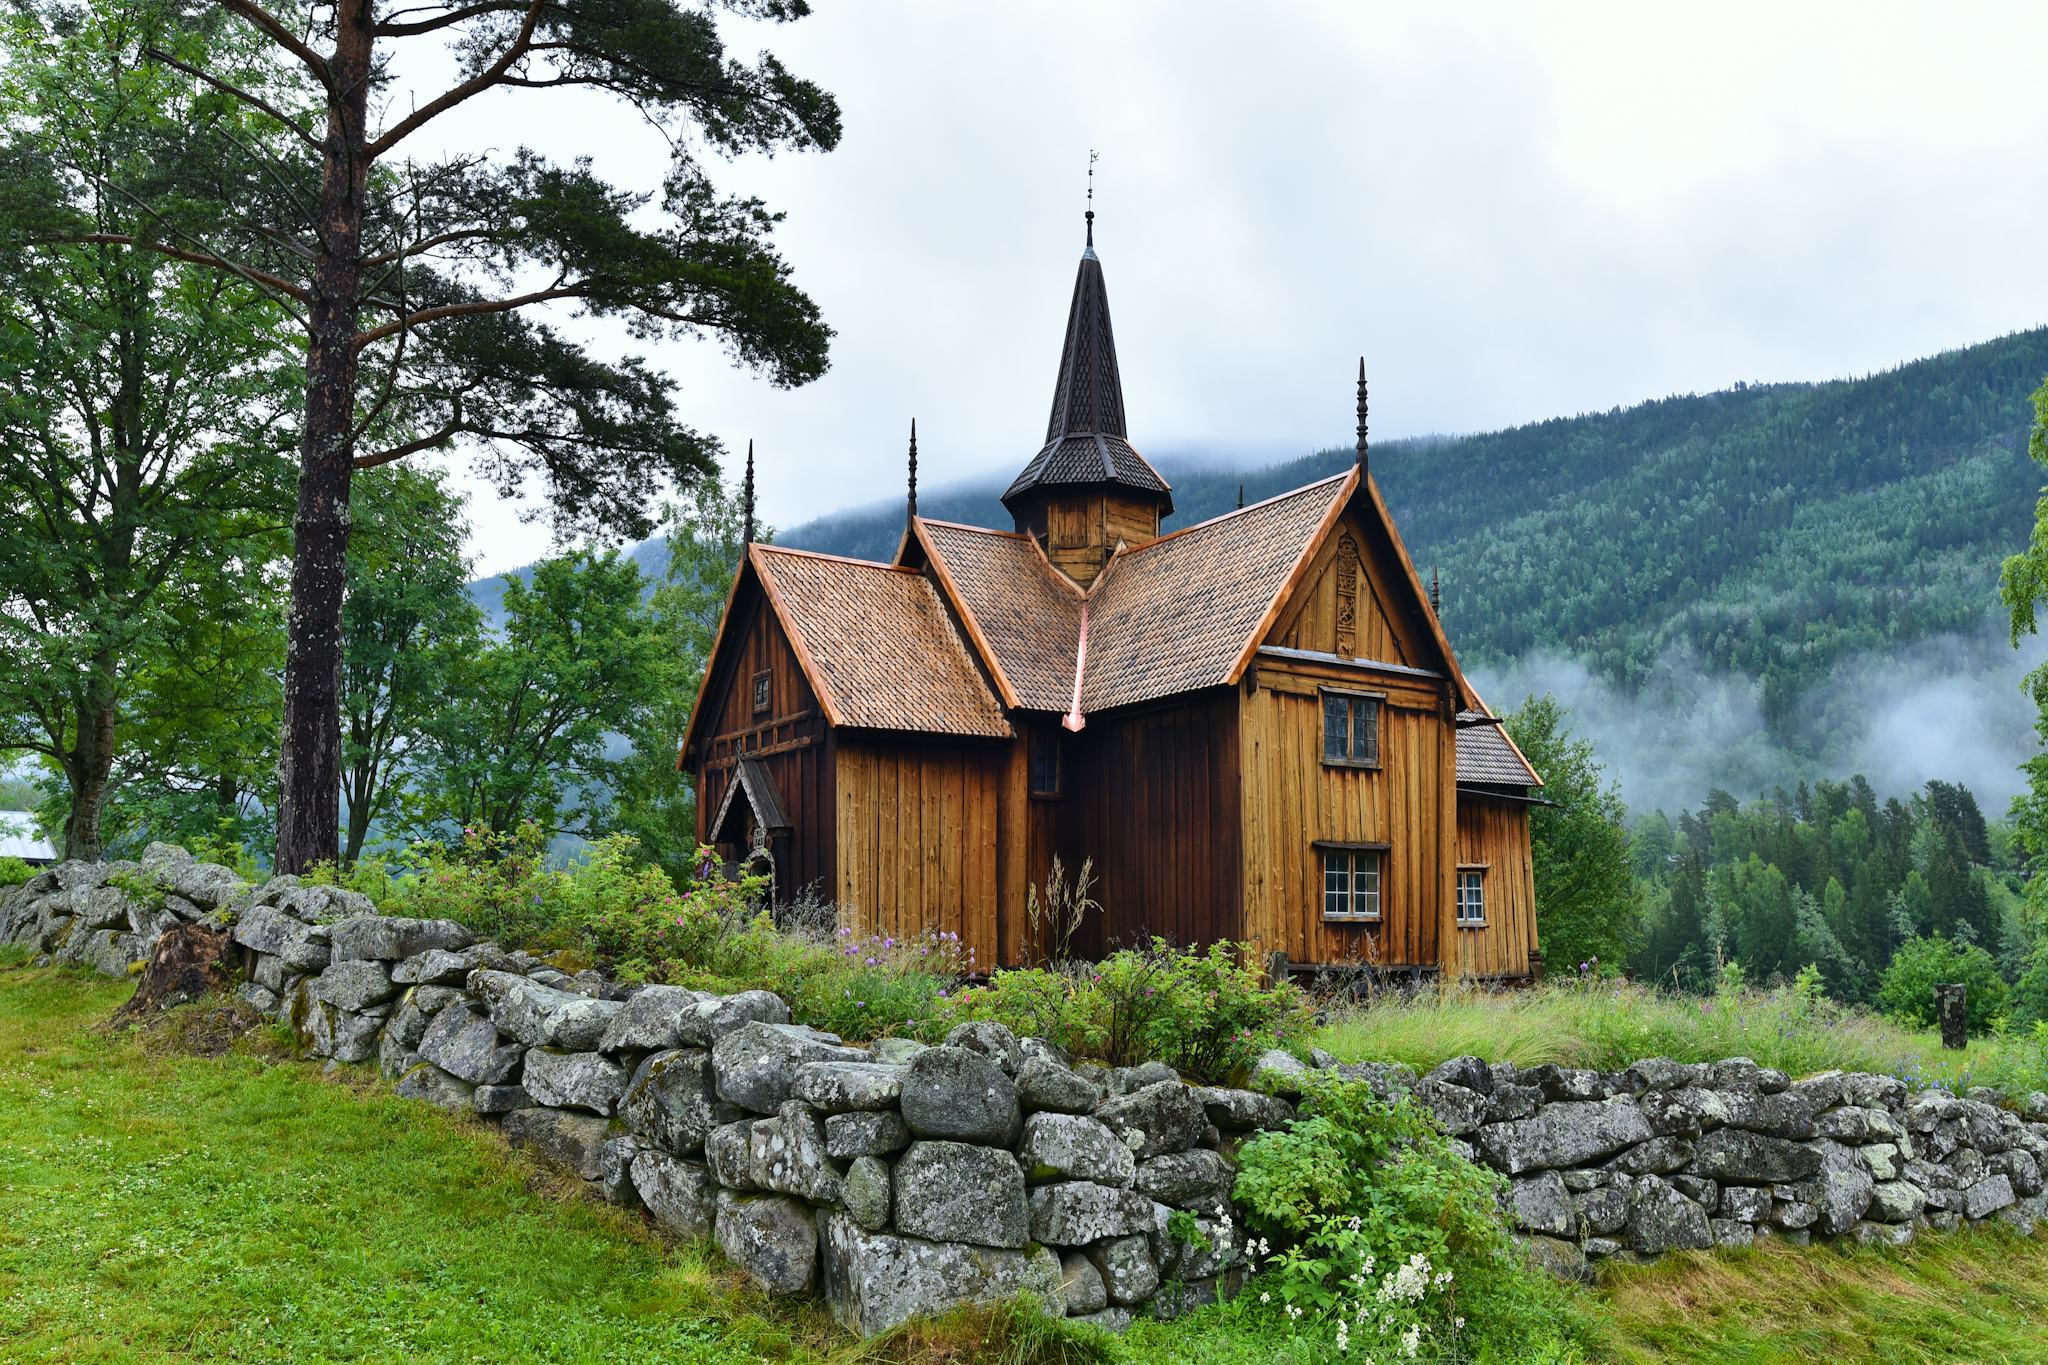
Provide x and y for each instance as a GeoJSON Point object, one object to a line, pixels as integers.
{"type": "Point", "coordinates": [1770, 529]}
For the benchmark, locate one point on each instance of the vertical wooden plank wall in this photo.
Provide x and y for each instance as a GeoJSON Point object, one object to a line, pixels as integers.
{"type": "Point", "coordinates": [918, 839]}
{"type": "Point", "coordinates": [1496, 833]}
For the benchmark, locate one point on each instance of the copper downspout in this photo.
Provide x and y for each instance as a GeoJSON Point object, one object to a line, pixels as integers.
{"type": "Point", "coordinates": [1073, 720]}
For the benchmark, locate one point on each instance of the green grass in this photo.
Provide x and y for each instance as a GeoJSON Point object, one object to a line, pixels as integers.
{"type": "Point", "coordinates": [1611, 1024]}
{"type": "Point", "coordinates": [1976, 1296]}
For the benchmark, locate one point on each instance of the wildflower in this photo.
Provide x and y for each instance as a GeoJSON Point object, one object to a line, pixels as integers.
{"type": "Point", "coordinates": [1265, 1297]}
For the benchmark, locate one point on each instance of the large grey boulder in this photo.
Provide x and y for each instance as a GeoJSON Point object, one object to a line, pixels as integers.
{"type": "Point", "coordinates": [207, 885]}
{"type": "Point", "coordinates": [1242, 1111]}
{"type": "Point", "coordinates": [615, 1165]}
{"type": "Point", "coordinates": [1166, 1116]}
{"type": "Point", "coordinates": [464, 1043]}
{"type": "Point", "coordinates": [1987, 1196]}
{"type": "Point", "coordinates": [1842, 1190]}
{"type": "Point", "coordinates": [1130, 1272]}
{"type": "Point", "coordinates": [1565, 1134]}
{"type": "Point", "coordinates": [1044, 1083]}
{"type": "Point", "coordinates": [840, 1087]}
{"type": "Point", "coordinates": [876, 1280]}
{"type": "Point", "coordinates": [954, 1192]}
{"type": "Point", "coordinates": [392, 938]}
{"type": "Point", "coordinates": [501, 1099]}
{"type": "Point", "coordinates": [1077, 1212]}
{"type": "Point", "coordinates": [1081, 1285]}
{"type": "Point", "coordinates": [447, 967]}
{"type": "Point", "coordinates": [1456, 1109]}
{"type": "Point", "coordinates": [1785, 1114]}
{"type": "Point", "coordinates": [541, 1016]}
{"type": "Point", "coordinates": [1071, 1147]}
{"type": "Point", "coordinates": [1196, 1179]}
{"type": "Point", "coordinates": [992, 1040]}
{"type": "Point", "coordinates": [300, 946]}
{"type": "Point", "coordinates": [574, 1080]}
{"type": "Point", "coordinates": [866, 1192]}
{"type": "Point", "coordinates": [1895, 1201]}
{"type": "Point", "coordinates": [786, 1154]}
{"type": "Point", "coordinates": [354, 985]}
{"type": "Point", "coordinates": [1541, 1203]}
{"type": "Point", "coordinates": [436, 1087]}
{"type": "Point", "coordinates": [672, 1101]}
{"type": "Point", "coordinates": [1279, 1073]}
{"type": "Point", "coordinates": [651, 1020]}
{"type": "Point", "coordinates": [952, 1092]}
{"type": "Point", "coordinates": [678, 1193]}
{"type": "Point", "coordinates": [865, 1133]}
{"type": "Point", "coordinates": [755, 1064]}
{"type": "Point", "coordinates": [561, 1136]}
{"type": "Point", "coordinates": [718, 1015]}
{"type": "Point", "coordinates": [729, 1152]}
{"type": "Point", "coordinates": [1660, 1219]}
{"type": "Point", "coordinates": [773, 1237]}
{"type": "Point", "coordinates": [1741, 1157]}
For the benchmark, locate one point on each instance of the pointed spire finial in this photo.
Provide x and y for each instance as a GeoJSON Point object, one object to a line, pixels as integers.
{"type": "Point", "coordinates": [1436, 590]}
{"type": "Point", "coordinates": [913, 467]}
{"type": "Point", "coordinates": [1361, 417]}
{"type": "Point", "coordinates": [1240, 497]}
{"type": "Point", "coordinates": [1091, 201]}
{"type": "Point", "coordinates": [747, 500]}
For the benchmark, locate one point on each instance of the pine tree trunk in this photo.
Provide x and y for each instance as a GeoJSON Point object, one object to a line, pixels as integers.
{"type": "Point", "coordinates": [309, 806]}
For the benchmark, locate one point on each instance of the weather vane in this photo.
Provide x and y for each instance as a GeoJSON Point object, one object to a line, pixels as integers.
{"type": "Point", "coordinates": [1092, 158]}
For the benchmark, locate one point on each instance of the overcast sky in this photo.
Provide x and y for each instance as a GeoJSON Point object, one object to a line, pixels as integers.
{"type": "Point", "coordinates": [1513, 211]}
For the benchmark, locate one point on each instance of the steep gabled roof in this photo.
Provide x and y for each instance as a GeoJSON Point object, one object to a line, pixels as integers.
{"type": "Point", "coordinates": [877, 645]}
{"type": "Point", "coordinates": [1023, 613]}
{"type": "Point", "coordinates": [1086, 439]}
{"type": "Point", "coordinates": [1486, 754]}
{"type": "Point", "coordinates": [1182, 612]}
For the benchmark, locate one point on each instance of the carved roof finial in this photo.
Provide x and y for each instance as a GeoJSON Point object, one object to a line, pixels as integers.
{"type": "Point", "coordinates": [913, 467]}
{"type": "Point", "coordinates": [1362, 462]}
{"type": "Point", "coordinates": [1240, 497]}
{"type": "Point", "coordinates": [1436, 590]}
{"type": "Point", "coordinates": [747, 500]}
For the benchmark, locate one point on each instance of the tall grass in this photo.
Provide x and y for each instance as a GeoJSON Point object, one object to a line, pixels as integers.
{"type": "Point", "coordinates": [1608, 1024]}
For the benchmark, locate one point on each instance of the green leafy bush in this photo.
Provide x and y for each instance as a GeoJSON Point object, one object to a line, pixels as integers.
{"type": "Point", "coordinates": [1202, 1011]}
{"type": "Point", "coordinates": [1907, 990]}
{"type": "Point", "coordinates": [1369, 1229]}
{"type": "Point", "coordinates": [13, 872]}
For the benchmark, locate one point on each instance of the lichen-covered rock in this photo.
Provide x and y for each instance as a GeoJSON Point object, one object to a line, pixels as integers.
{"type": "Point", "coordinates": [755, 1064]}
{"type": "Point", "coordinates": [1660, 1219]}
{"type": "Point", "coordinates": [383, 938]}
{"type": "Point", "coordinates": [650, 1021]}
{"type": "Point", "coordinates": [1130, 1271]}
{"type": "Point", "coordinates": [1785, 1114]}
{"type": "Point", "coordinates": [1842, 1189]}
{"type": "Point", "coordinates": [786, 1154]}
{"type": "Point", "coordinates": [1745, 1203]}
{"type": "Point", "coordinates": [728, 1151]}
{"type": "Point", "coordinates": [773, 1237]}
{"type": "Point", "coordinates": [1194, 1179]}
{"type": "Point", "coordinates": [992, 1040]}
{"type": "Point", "coordinates": [1074, 1147]}
{"type": "Point", "coordinates": [300, 946]}
{"type": "Point", "coordinates": [615, 1169]}
{"type": "Point", "coordinates": [462, 1041]}
{"type": "Point", "coordinates": [1661, 1073]}
{"type": "Point", "coordinates": [1987, 1196]}
{"type": "Point", "coordinates": [1658, 1156]}
{"type": "Point", "coordinates": [1565, 1260]}
{"type": "Point", "coordinates": [1081, 1286]}
{"type": "Point", "coordinates": [1279, 1073]}
{"type": "Point", "coordinates": [541, 1016]}
{"type": "Point", "coordinates": [840, 1087]}
{"type": "Point", "coordinates": [865, 1192]}
{"type": "Point", "coordinates": [1077, 1212]}
{"type": "Point", "coordinates": [1456, 1109]}
{"type": "Point", "coordinates": [1044, 1084]}
{"type": "Point", "coordinates": [1242, 1111]}
{"type": "Point", "coordinates": [1895, 1201]}
{"type": "Point", "coordinates": [1166, 1117]}
{"type": "Point", "coordinates": [672, 1101]}
{"type": "Point", "coordinates": [1604, 1210]}
{"type": "Point", "coordinates": [678, 1193]}
{"type": "Point", "coordinates": [574, 1080]}
{"type": "Point", "coordinates": [861, 1133]}
{"type": "Point", "coordinates": [719, 1015]}
{"type": "Point", "coordinates": [501, 1099]}
{"type": "Point", "coordinates": [436, 1087]}
{"type": "Point", "coordinates": [561, 1136]}
{"type": "Point", "coordinates": [1566, 1134]}
{"type": "Point", "coordinates": [1541, 1203]}
{"type": "Point", "coordinates": [955, 1192]}
{"type": "Point", "coordinates": [354, 985]}
{"type": "Point", "coordinates": [955, 1093]}
{"type": "Point", "coordinates": [874, 1281]}
{"type": "Point", "coordinates": [1857, 1125]}
{"type": "Point", "coordinates": [1741, 1157]}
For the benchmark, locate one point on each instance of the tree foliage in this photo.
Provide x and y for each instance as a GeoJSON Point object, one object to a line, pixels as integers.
{"type": "Point", "coordinates": [1586, 905]}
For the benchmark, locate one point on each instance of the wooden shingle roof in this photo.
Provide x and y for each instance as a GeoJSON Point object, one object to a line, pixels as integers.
{"type": "Point", "coordinates": [1181, 613]}
{"type": "Point", "coordinates": [1486, 755]}
{"type": "Point", "coordinates": [878, 645]}
{"type": "Point", "coordinates": [1024, 611]}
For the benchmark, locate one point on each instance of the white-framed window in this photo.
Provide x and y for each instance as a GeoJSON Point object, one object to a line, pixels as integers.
{"type": "Point", "coordinates": [1471, 898]}
{"type": "Point", "coordinates": [1351, 882]}
{"type": "Point", "coordinates": [1351, 728]}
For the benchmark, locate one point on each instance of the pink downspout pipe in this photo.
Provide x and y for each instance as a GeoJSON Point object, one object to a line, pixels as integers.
{"type": "Point", "coordinates": [1073, 719]}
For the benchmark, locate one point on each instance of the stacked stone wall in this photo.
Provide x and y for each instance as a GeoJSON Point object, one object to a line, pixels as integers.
{"type": "Point", "coordinates": [899, 1179]}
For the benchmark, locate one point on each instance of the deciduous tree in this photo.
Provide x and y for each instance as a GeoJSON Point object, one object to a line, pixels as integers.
{"type": "Point", "coordinates": [1586, 901]}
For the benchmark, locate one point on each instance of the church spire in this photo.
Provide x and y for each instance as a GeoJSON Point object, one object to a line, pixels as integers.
{"type": "Point", "coordinates": [747, 500]}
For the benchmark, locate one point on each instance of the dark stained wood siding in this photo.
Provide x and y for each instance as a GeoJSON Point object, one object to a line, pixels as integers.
{"type": "Point", "coordinates": [1154, 797]}
{"type": "Point", "coordinates": [792, 740]}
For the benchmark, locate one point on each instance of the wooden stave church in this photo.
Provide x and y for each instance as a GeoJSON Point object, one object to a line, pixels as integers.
{"type": "Point", "coordinates": [916, 741]}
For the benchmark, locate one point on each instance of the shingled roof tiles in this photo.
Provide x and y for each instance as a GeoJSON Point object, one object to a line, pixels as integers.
{"type": "Point", "coordinates": [1027, 611]}
{"type": "Point", "coordinates": [1485, 755]}
{"type": "Point", "coordinates": [1174, 615]}
{"type": "Point", "coordinates": [881, 644]}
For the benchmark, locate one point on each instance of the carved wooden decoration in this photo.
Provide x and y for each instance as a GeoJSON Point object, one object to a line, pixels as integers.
{"type": "Point", "coordinates": [1347, 597]}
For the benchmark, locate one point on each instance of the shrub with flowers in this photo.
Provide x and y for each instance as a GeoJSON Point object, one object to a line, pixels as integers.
{"type": "Point", "coordinates": [1203, 1011]}
{"type": "Point", "coordinates": [1374, 1239]}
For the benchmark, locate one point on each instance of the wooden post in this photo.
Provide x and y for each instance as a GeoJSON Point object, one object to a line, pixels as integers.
{"type": "Point", "coordinates": [1951, 1008]}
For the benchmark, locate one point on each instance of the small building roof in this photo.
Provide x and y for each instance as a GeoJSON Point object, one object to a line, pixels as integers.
{"type": "Point", "coordinates": [878, 645]}
{"type": "Point", "coordinates": [1487, 755]}
{"type": "Point", "coordinates": [21, 837]}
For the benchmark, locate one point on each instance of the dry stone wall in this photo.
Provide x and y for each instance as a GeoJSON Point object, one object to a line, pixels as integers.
{"type": "Point", "coordinates": [900, 1179]}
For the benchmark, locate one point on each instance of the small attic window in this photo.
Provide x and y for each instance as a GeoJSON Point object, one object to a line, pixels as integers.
{"type": "Point", "coordinates": [761, 692]}
{"type": "Point", "coordinates": [1045, 763]}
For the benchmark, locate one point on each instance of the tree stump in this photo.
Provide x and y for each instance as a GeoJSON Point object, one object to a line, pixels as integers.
{"type": "Point", "coordinates": [186, 965]}
{"type": "Point", "coordinates": [1951, 1008]}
